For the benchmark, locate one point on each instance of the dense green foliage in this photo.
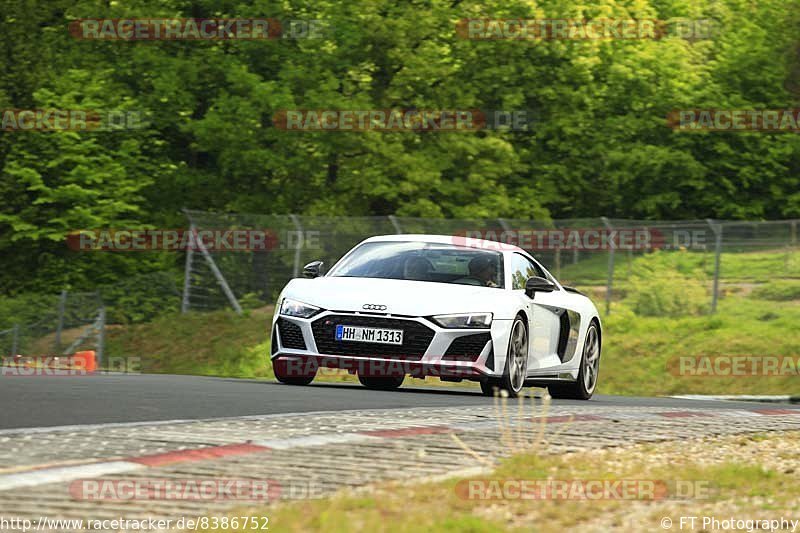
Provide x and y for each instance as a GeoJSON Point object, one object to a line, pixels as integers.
{"type": "Point", "coordinates": [600, 144]}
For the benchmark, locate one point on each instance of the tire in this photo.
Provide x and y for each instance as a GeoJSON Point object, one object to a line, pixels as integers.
{"type": "Point", "coordinates": [381, 383]}
{"type": "Point", "coordinates": [585, 385]}
{"type": "Point", "coordinates": [516, 366]}
{"type": "Point", "coordinates": [293, 375]}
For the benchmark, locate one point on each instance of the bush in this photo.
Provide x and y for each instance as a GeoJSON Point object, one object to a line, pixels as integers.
{"type": "Point", "coordinates": [778, 291]}
{"type": "Point", "coordinates": [658, 288]}
{"type": "Point", "coordinates": [27, 309]}
{"type": "Point", "coordinates": [140, 298]}
{"type": "Point", "coordinates": [251, 300]}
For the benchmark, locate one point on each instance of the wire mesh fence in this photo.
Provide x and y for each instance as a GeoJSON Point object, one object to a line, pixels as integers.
{"type": "Point", "coordinates": [74, 321]}
{"type": "Point", "coordinates": [610, 258]}
{"type": "Point", "coordinates": [60, 327]}
{"type": "Point", "coordinates": [648, 265]}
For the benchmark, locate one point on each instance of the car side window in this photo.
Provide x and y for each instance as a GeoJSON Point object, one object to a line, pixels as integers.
{"type": "Point", "coordinates": [539, 271]}
{"type": "Point", "coordinates": [521, 269]}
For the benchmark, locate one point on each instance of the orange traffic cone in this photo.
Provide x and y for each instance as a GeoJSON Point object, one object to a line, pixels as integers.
{"type": "Point", "coordinates": [85, 360]}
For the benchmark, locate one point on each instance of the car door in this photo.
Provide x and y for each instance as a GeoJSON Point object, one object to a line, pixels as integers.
{"type": "Point", "coordinates": [544, 322]}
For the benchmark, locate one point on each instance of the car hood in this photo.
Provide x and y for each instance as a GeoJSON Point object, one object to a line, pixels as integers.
{"type": "Point", "coordinates": [401, 297]}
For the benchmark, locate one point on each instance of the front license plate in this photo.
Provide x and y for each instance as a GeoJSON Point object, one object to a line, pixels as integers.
{"type": "Point", "coordinates": [376, 335]}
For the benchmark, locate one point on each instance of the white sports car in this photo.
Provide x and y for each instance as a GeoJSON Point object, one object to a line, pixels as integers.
{"type": "Point", "coordinates": [431, 305]}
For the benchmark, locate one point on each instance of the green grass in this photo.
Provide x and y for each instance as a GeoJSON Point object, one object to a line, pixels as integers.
{"type": "Point", "coordinates": [779, 291]}
{"type": "Point", "coordinates": [204, 344]}
{"type": "Point", "coordinates": [209, 344]}
{"type": "Point", "coordinates": [592, 269]}
{"type": "Point", "coordinates": [636, 349]}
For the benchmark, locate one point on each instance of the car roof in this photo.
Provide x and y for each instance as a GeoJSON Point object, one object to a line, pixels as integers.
{"type": "Point", "coordinates": [456, 240]}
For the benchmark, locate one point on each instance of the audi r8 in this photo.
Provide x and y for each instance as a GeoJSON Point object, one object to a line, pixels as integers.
{"type": "Point", "coordinates": [431, 305]}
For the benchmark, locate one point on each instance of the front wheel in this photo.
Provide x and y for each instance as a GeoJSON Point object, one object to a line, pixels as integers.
{"type": "Point", "coordinates": [489, 387]}
{"type": "Point", "coordinates": [583, 387]}
{"type": "Point", "coordinates": [294, 372]}
{"type": "Point", "coordinates": [516, 363]}
{"type": "Point", "coordinates": [381, 383]}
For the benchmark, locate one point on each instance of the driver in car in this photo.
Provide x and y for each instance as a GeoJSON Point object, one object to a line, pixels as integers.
{"type": "Point", "coordinates": [482, 271]}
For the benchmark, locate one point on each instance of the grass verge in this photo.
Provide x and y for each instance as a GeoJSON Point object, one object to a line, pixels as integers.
{"type": "Point", "coordinates": [761, 266]}
{"type": "Point", "coordinates": [712, 477]}
{"type": "Point", "coordinates": [207, 344]}
{"type": "Point", "coordinates": [637, 350]}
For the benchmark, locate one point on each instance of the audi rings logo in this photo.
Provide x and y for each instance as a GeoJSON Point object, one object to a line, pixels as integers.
{"type": "Point", "coordinates": [373, 307]}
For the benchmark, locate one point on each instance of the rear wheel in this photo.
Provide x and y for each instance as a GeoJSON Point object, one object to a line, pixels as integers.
{"type": "Point", "coordinates": [583, 387]}
{"type": "Point", "coordinates": [381, 382]}
{"type": "Point", "coordinates": [294, 372]}
{"type": "Point", "coordinates": [516, 363]}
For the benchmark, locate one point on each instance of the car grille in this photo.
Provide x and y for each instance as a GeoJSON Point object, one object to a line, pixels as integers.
{"type": "Point", "coordinates": [291, 335]}
{"type": "Point", "coordinates": [467, 347]}
{"type": "Point", "coordinates": [416, 337]}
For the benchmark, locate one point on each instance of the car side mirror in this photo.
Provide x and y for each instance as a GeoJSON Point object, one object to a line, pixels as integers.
{"type": "Point", "coordinates": [537, 284]}
{"type": "Point", "coordinates": [313, 269]}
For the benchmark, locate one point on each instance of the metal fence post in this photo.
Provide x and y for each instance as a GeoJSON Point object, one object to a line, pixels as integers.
{"type": "Point", "coordinates": [717, 229]}
{"type": "Point", "coordinates": [794, 233]}
{"type": "Point", "coordinates": [15, 340]}
{"type": "Point", "coordinates": [558, 263]}
{"type": "Point", "coordinates": [299, 226]}
{"type": "Point", "coordinates": [217, 274]}
{"type": "Point", "coordinates": [62, 302]}
{"type": "Point", "coordinates": [610, 278]}
{"type": "Point", "coordinates": [101, 335]}
{"type": "Point", "coordinates": [187, 275]}
{"type": "Point", "coordinates": [397, 229]}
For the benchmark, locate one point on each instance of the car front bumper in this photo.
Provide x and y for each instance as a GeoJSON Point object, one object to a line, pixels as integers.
{"type": "Point", "coordinates": [427, 349]}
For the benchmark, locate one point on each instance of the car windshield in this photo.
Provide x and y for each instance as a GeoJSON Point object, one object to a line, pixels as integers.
{"type": "Point", "coordinates": [421, 261]}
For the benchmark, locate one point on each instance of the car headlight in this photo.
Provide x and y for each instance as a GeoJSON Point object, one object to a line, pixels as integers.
{"type": "Point", "coordinates": [291, 307]}
{"type": "Point", "coordinates": [468, 320]}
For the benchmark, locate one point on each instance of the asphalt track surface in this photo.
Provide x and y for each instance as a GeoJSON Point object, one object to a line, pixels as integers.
{"type": "Point", "coordinates": [46, 401]}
